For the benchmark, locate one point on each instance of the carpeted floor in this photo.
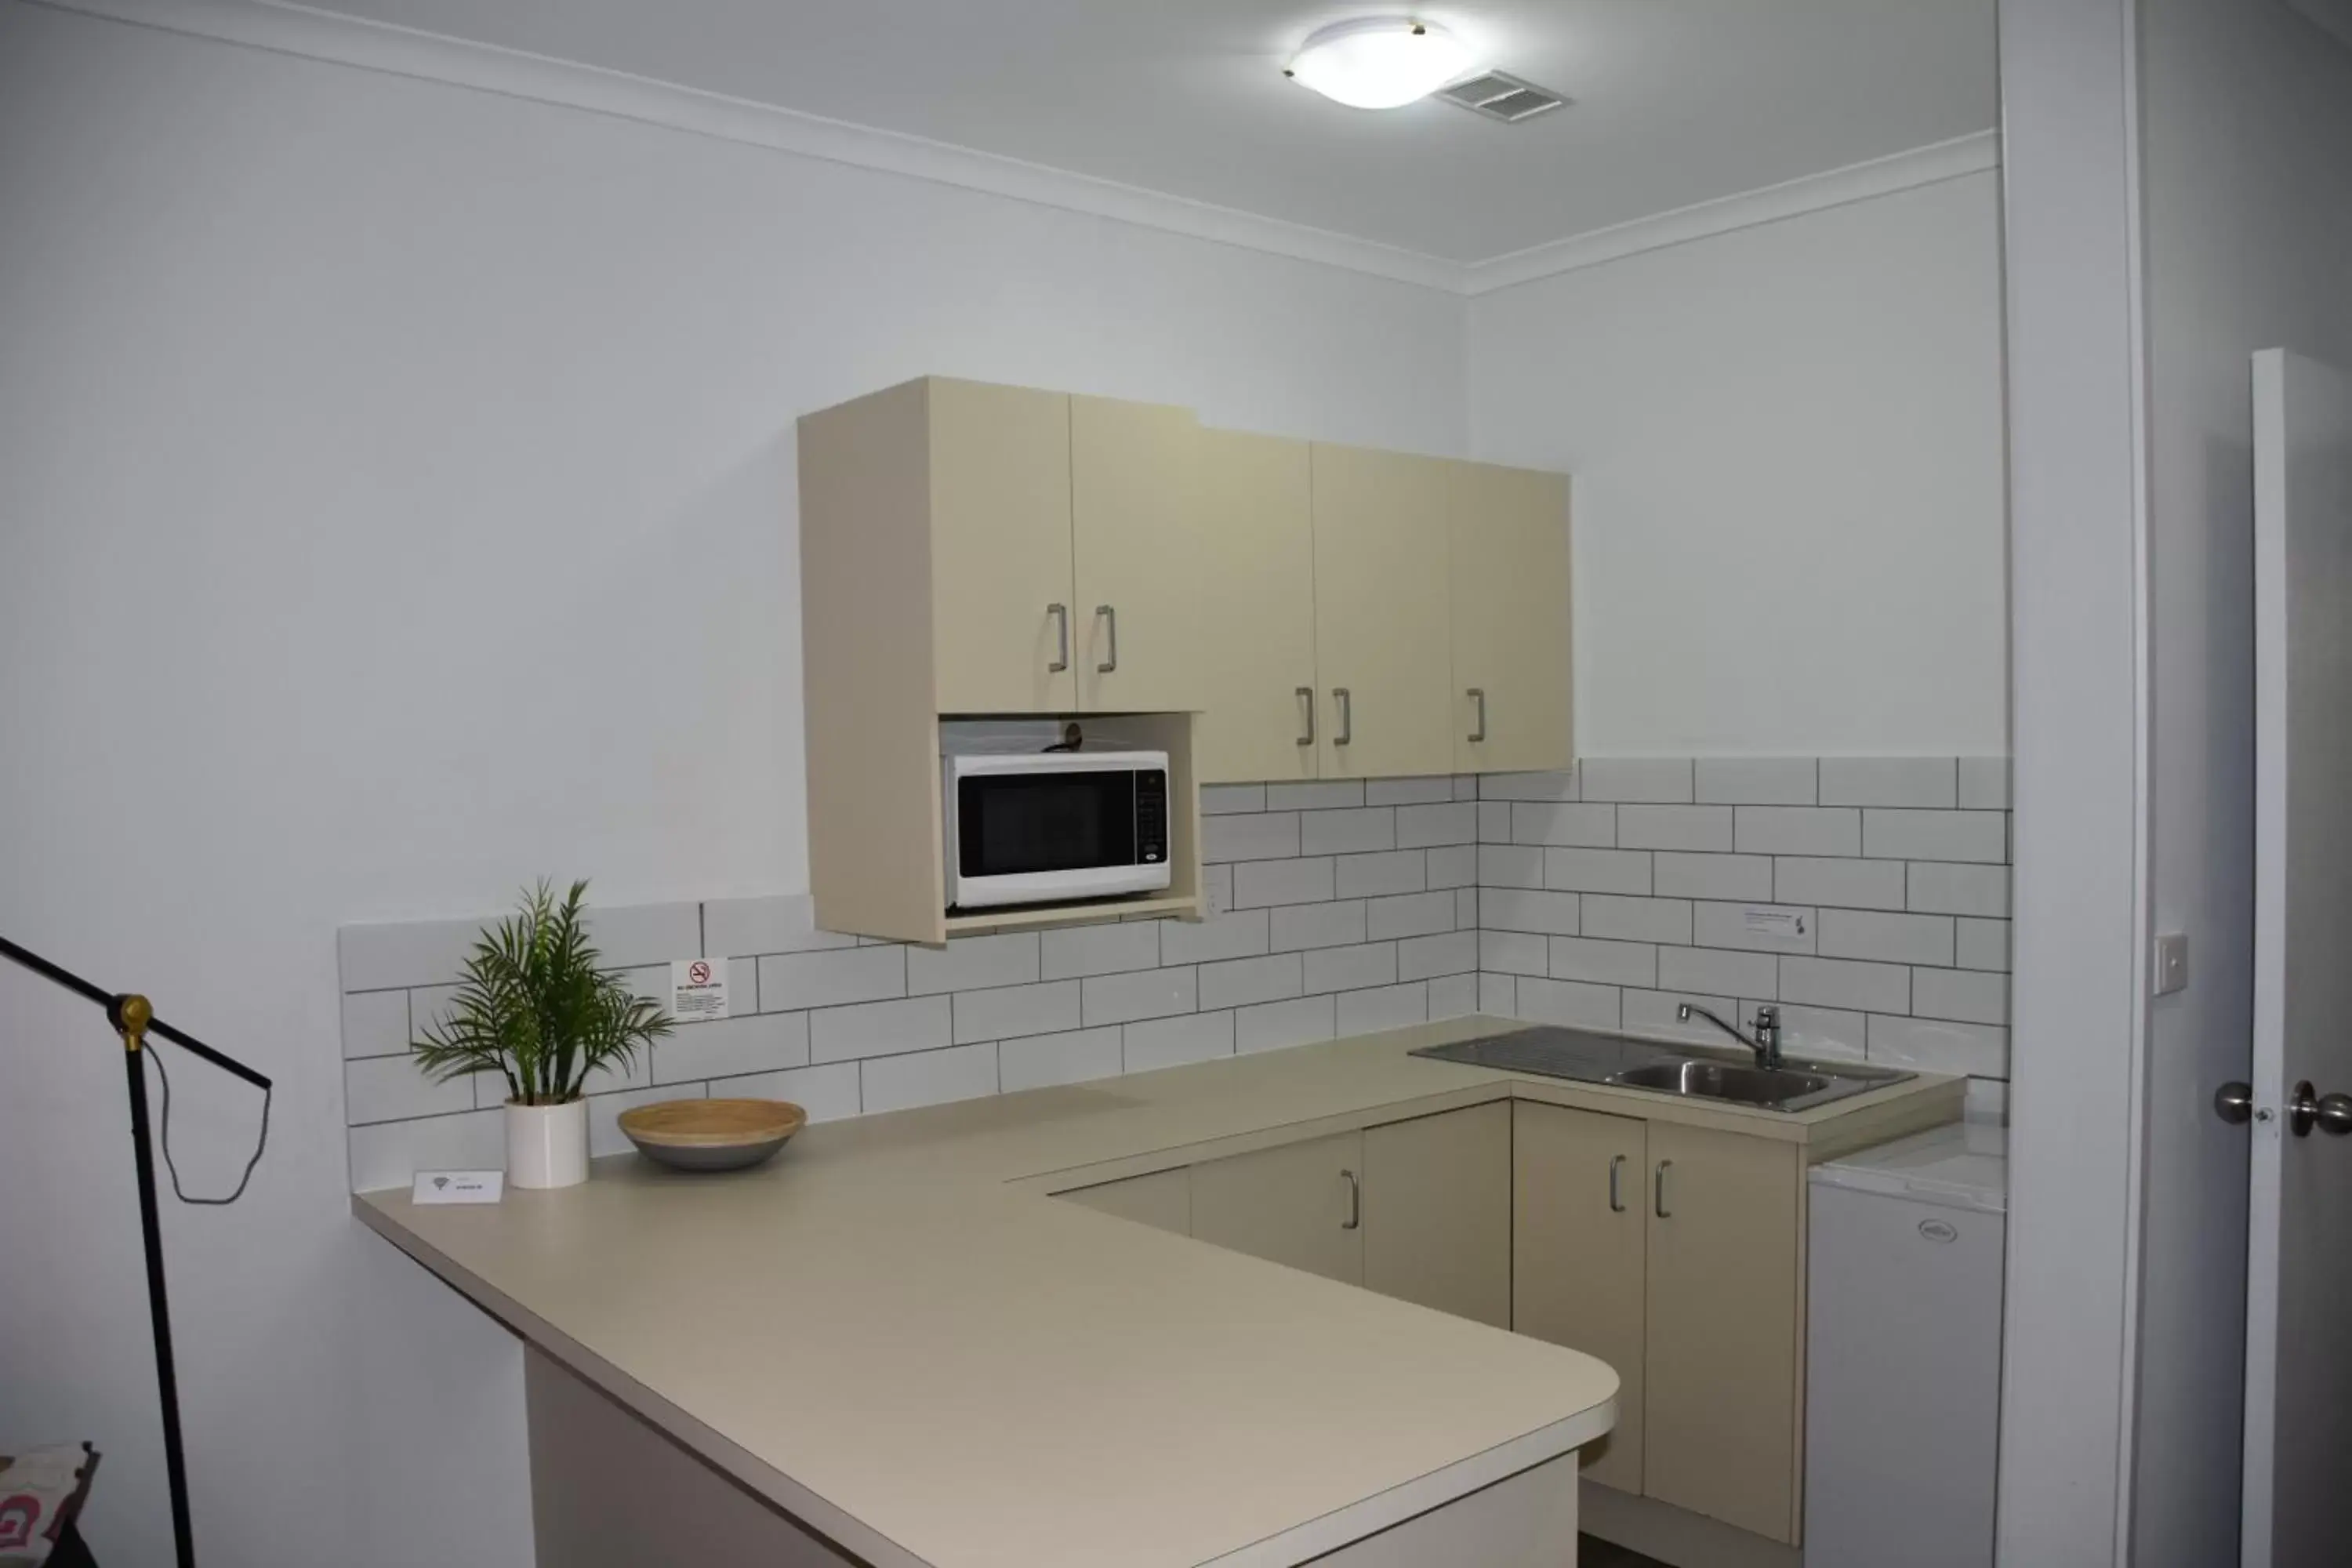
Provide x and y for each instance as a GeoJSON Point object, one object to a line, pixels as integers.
{"type": "Point", "coordinates": [1591, 1552]}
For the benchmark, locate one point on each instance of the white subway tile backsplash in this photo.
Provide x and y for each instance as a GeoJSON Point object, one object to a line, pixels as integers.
{"type": "Point", "coordinates": [1263, 836]}
{"type": "Point", "coordinates": [1246, 980]}
{"type": "Point", "coordinates": [1528, 786]}
{"type": "Point", "coordinates": [1885, 938]}
{"type": "Point", "coordinates": [1465, 909]}
{"type": "Point", "coordinates": [1427, 957]}
{"type": "Point", "coordinates": [389, 1153]}
{"type": "Point", "coordinates": [927, 1078]}
{"type": "Point", "coordinates": [1568, 1002]}
{"type": "Point", "coordinates": [1498, 995]}
{"type": "Point", "coordinates": [1934, 1044]}
{"type": "Point", "coordinates": [1422, 826]}
{"type": "Point", "coordinates": [1719, 971]}
{"type": "Point", "coordinates": [1408, 914]}
{"type": "Point", "coordinates": [1984, 783]}
{"type": "Point", "coordinates": [1041, 1061]}
{"type": "Point", "coordinates": [1219, 800]}
{"type": "Point", "coordinates": [794, 981]}
{"type": "Point", "coordinates": [1681, 876]}
{"type": "Point", "coordinates": [1510, 866]}
{"type": "Point", "coordinates": [967, 963]}
{"type": "Point", "coordinates": [879, 1029]}
{"type": "Point", "coordinates": [1636, 919]}
{"type": "Point", "coordinates": [1260, 883]}
{"type": "Point", "coordinates": [1890, 781]}
{"type": "Point", "coordinates": [1275, 1025]}
{"type": "Point", "coordinates": [1385, 1007]}
{"type": "Point", "coordinates": [1297, 926]}
{"type": "Point", "coordinates": [1603, 963]}
{"type": "Point", "coordinates": [827, 1093]}
{"type": "Point", "coordinates": [627, 935]}
{"type": "Point", "coordinates": [1596, 870]}
{"type": "Point", "coordinates": [1075, 951]}
{"type": "Point", "coordinates": [1568, 826]}
{"type": "Point", "coordinates": [1347, 832]}
{"type": "Point", "coordinates": [1324, 796]}
{"type": "Point", "coordinates": [1514, 953]}
{"type": "Point", "coordinates": [1837, 883]}
{"type": "Point", "coordinates": [1652, 1013]}
{"type": "Point", "coordinates": [1936, 888]}
{"type": "Point", "coordinates": [375, 1024]}
{"type": "Point", "coordinates": [1982, 944]}
{"type": "Point", "coordinates": [1517, 909]}
{"type": "Point", "coordinates": [786, 922]}
{"type": "Point", "coordinates": [1980, 835]}
{"type": "Point", "coordinates": [1824, 1033]}
{"type": "Point", "coordinates": [1141, 993]}
{"type": "Point", "coordinates": [1796, 830]}
{"type": "Point", "coordinates": [1007, 1011]}
{"type": "Point", "coordinates": [414, 953]}
{"type": "Point", "coordinates": [1350, 968]}
{"type": "Point", "coordinates": [1494, 822]}
{"type": "Point", "coordinates": [1216, 889]}
{"type": "Point", "coordinates": [1452, 997]}
{"type": "Point", "coordinates": [753, 1042]}
{"type": "Point", "coordinates": [1466, 787]}
{"type": "Point", "coordinates": [1378, 875]}
{"type": "Point", "coordinates": [1240, 934]}
{"type": "Point", "coordinates": [1409, 792]}
{"type": "Point", "coordinates": [1972, 997]}
{"type": "Point", "coordinates": [1842, 983]}
{"type": "Point", "coordinates": [1653, 780]}
{"type": "Point", "coordinates": [1755, 781]}
{"type": "Point", "coordinates": [1455, 866]}
{"type": "Point", "coordinates": [1174, 1042]}
{"type": "Point", "coordinates": [392, 1089]}
{"type": "Point", "coordinates": [1692, 827]}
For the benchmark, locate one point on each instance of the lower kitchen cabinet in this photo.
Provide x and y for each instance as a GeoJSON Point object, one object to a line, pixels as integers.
{"type": "Point", "coordinates": [1300, 1205]}
{"type": "Point", "coordinates": [1437, 1212]}
{"type": "Point", "coordinates": [1162, 1200]}
{"type": "Point", "coordinates": [1579, 1238]}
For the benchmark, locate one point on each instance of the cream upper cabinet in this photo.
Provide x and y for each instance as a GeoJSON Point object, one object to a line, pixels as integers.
{"type": "Point", "coordinates": [1146, 584]}
{"type": "Point", "coordinates": [1579, 1230]}
{"type": "Point", "coordinates": [1508, 533]}
{"type": "Point", "coordinates": [1437, 1212]}
{"type": "Point", "coordinates": [999, 568]}
{"type": "Point", "coordinates": [1255, 647]}
{"type": "Point", "coordinates": [1721, 1374]}
{"type": "Point", "coordinates": [1300, 1205]}
{"type": "Point", "coordinates": [1383, 612]}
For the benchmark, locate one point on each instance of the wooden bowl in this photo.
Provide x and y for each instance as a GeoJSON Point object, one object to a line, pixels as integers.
{"type": "Point", "coordinates": [712, 1134]}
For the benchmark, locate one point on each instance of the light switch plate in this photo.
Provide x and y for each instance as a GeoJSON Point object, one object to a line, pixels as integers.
{"type": "Point", "coordinates": [2171, 962]}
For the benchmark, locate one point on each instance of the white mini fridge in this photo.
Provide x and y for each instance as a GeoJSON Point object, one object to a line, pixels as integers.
{"type": "Point", "coordinates": [1903, 1351]}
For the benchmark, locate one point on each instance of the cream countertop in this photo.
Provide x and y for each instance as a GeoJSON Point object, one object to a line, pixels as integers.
{"type": "Point", "coordinates": [890, 1335]}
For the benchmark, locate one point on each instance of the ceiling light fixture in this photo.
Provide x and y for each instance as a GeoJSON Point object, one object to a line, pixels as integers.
{"type": "Point", "coordinates": [1378, 63]}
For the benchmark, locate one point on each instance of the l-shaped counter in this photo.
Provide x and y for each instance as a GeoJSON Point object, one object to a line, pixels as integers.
{"type": "Point", "coordinates": [889, 1335]}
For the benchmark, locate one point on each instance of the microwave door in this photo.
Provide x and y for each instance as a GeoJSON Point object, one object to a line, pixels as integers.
{"type": "Point", "coordinates": [1049, 836]}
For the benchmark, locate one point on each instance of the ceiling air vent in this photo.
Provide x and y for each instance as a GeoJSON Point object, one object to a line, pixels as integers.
{"type": "Point", "coordinates": [1499, 96]}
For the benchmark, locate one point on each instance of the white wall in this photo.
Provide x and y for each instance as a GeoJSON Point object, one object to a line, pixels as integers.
{"type": "Point", "coordinates": [2246, 123]}
{"type": "Point", "coordinates": [1788, 448]}
{"type": "Point", "coordinates": [397, 493]}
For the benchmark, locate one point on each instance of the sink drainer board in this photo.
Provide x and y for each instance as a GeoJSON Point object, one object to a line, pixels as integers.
{"type": "Point", "coordinates": [1587, 1057]}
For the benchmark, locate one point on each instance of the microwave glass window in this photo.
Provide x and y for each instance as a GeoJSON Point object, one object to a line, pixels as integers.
{"type": "Point", "coordinates": [1016, 823]}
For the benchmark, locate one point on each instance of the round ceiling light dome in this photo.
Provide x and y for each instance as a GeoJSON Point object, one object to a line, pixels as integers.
{"type": "Point", "coordinates": [1378, 63]}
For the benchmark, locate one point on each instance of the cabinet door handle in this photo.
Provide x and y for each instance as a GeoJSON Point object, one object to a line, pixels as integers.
{"type": "Point", "coordinates": [1478, 695]}
{"type": "Point", "coordinates": [1616, 1195]}
{"type": "Point", "coordinates": [1306, 695]}
{"type": "Point", "coordinates": [1346, 716]}
{"type": "Point", "coordinates": [1111, 624]}
{"type": "Point", "coordinates": [1664, 1212]}
{"type": "Point", "coordinates": [1355, 1201]}
{"type": "Point", "coordinates": [1061, 614]}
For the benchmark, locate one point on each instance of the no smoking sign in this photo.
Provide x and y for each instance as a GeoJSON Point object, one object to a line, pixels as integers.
{"type": "Point", "coordinates": [698, 989]}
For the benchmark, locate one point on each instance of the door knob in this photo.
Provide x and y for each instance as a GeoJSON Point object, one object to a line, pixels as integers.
{"type": "Point", "coordinates": [2233, 1103]}
{"type": "Point", "coordinates": [2333, 1112]}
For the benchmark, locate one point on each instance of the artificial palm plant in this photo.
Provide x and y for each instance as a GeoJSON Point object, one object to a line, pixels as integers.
{"type": "Point", "coordinates": [536, 1008]}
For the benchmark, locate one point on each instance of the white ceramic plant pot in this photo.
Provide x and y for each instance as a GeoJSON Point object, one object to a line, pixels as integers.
{"type": "Point", "coordinates": [547, 1145]}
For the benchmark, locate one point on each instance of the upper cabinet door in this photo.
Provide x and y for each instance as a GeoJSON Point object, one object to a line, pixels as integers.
{"type": "Point", "coordinates": [1511, 640]}
{"type": "Point", "coordinates": [1144, 577]}
{"type": "Point", "coordinates": [1381, 612]}
{"type": "Point", "coordinates": [1005, 627]}
{"type": "Point", "coordinates": [1256, 650]}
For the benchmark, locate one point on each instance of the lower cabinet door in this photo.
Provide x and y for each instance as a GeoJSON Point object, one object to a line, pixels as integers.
{"type": "Point", "coordinates": [1580, 1222]}
{"type": "Point", "coordinates": [1162, 1200]}
{"type": "Point", "coordinates": [1721, 1389]}
{"type": "Point", "coordinates": [1301, 1204]}
{"type": "Point", "coordinates": [1437, 1212]}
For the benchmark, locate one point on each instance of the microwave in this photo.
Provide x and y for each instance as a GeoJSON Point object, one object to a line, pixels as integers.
{"type": "Point", "coordinates": [1049, 828]}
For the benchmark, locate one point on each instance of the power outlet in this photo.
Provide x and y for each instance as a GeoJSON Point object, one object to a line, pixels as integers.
{"type": "Point", "coordinates": [2171, 962]}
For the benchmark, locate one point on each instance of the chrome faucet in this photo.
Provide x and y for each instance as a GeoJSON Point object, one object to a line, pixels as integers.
{"type": "Point", "coordinates": [1767, 1043]}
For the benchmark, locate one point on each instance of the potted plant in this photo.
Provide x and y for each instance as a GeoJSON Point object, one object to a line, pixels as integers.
{"type": "Point", "coordinates": [536, 1008]}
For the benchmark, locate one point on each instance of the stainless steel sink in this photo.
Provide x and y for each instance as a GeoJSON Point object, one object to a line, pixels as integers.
{"type": "Point", "coordinates": [1723, 1081]}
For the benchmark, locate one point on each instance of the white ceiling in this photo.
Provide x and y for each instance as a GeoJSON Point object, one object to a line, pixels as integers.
{"type": "Point", "coordinates": [1675, 101]}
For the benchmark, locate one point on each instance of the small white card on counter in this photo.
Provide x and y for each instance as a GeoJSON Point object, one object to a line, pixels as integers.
{"type": "Point", "coordinates": [458, 1188]}
{"type": "Point", "coordinates": [698, 989]}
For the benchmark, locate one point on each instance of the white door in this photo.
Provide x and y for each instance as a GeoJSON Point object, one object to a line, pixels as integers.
{"type": "Point", "coordinates": [2299, 1221]}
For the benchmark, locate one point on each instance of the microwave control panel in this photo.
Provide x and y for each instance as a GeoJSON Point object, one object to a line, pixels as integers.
{"type": "Point", "coordinates": [1152, 817]}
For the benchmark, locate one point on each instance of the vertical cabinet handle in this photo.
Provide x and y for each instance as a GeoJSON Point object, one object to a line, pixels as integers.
{"type": "Point", "coordinates": [1616, 1194]}
{"type": "Point", "coordinates": [1355, 1201]}
{"type": "Point", "coordinates": [1346, 716]}
{"type": "Point", "coordinates": [1061, 614]}
{"type": "Point", "coordinates": [1664, 1212]}
{"type": "Point", "coordinates": [1110, 626]}
{"type": "Point", "coordinates": [1478, 695]}
{"type": "Point", "coordinates": [1307, 696]}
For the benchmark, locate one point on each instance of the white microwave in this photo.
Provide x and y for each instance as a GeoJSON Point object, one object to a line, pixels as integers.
{"type": "Point", "coordinates": [1049, 828]}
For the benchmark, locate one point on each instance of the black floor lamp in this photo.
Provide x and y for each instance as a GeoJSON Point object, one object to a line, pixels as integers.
{"type": "Point", "coordinates": [134, 1020]}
